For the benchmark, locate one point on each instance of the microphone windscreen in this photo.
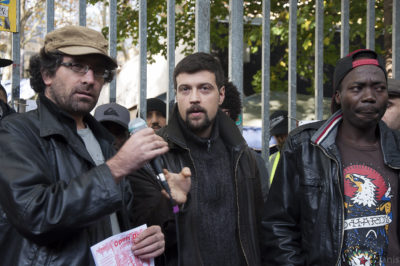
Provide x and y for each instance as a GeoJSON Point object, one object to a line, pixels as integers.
{"type": "Point", "coordinates": [136, 124]}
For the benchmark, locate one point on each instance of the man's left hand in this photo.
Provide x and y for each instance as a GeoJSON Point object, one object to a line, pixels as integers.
{"type": "Point", "coordinates": [149, 244]}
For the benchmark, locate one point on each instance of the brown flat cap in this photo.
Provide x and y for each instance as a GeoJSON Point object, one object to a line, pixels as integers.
{"type": "Point", "coordinates": [78, 40]}
{"type": "Point", "coordinates": [394, 87]}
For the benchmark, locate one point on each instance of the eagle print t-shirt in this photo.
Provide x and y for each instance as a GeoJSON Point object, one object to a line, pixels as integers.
{"type": "Point", "coordinates": [370, 206]}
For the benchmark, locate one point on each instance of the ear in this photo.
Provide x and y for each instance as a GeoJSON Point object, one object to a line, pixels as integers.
{"type": "Point", "coordinates": [337, 97]}
{"type": "Point", "coordinates": [47, 80]}
{"type": "Point", "coordinates": [221, 95]}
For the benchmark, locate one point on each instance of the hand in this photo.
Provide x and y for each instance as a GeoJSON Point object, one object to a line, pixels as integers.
{"type": "Point", "coordinates": [149, 243]}
{"type": "Point", "coordinates": [179, 185]}
{"type": "Point", "coordinates": [141, 147]}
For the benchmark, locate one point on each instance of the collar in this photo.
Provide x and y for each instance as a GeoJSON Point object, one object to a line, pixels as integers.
{"type": "Point", "coordinates": [54, 121]}
{"type": "Point", "coordinates": [325, 137]}
{"type": "Point", "coordinates": [326, 134]}
{"type": "Point", "coordinates": [192, 137]}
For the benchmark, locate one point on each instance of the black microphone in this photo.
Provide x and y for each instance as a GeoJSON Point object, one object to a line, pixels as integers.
{"type": "Point", "coordinates": [136, 125]}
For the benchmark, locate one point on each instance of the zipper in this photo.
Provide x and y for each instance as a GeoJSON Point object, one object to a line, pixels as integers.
{"type": "Point", "coordinates": [194, 200]}
{"type": "Point", "coordinates": [208, 145]}
{"type": "Point", "coordinates": [237, 205]}
{"type": "Point", "coordinates": [341, 200]}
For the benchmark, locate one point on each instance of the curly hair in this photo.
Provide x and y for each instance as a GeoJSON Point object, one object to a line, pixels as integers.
{"type": "Point", "coordinates": [232, 100]}
{"type": "Point", "coordinates": [46, 63]}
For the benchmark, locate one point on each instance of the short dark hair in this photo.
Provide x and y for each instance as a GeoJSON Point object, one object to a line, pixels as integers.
{"type": "Point", "coordinates": [47, 63]}
{"type": "Point", "coordinates": [200, 61]}
{"type": "Point", "coordinates": [232, 100]}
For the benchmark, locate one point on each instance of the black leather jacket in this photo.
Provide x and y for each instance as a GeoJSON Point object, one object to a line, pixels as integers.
{"type": "Point", "coordinates": [54, 202]}
{"type": "Point", "coordinates": [304, 221]}
{"type": "Point", "coordinates": [151, 207]}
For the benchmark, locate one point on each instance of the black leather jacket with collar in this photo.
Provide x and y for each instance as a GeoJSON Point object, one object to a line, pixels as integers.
{"type": "Point", "coordinates": [54, 202]}
{"type": "Point", "coordinates": [152, 208]}
{"type": "Point", "coordinates": [304, 221]}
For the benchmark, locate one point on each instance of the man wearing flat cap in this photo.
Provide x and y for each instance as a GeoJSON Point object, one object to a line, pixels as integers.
{"type": "Point", "coordinates": [5, 109]}
{"type": "Point", "coordinates": [392, 114]}
{"type": "Point", "coordinates": [62, 187]}
{"type": "Point", "coordinates": [334, 199]}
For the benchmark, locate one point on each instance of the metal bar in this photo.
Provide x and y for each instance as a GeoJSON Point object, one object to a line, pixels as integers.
{"type": "Point", "coordinates": [16, 67]}
{"type": "Point", "coordinates": [202, 26]}
{"type": "Point", "coordinates": [370, 24]}
{"type": "Point", "coordinates": [113, 46]}
{"type": "Point", "coordinates": [292, 63]}
{"type": "Point", "coordinates": [170, 53]}
{"type": "Point", "coordinates": [50, 15]}
{"type": "Point", "coordinates": [319, 59]}
{"type": "Point", "coordinates": [142, 58]}
{"type": "Point", "coordinates": [265, 81]}
{"type": "Point", "coordinates": [236, 45]}
{"type": "Point", "coordinates": [82, 12]}
{"type": "Point", "coordinates": [396, 40]}
{"type": "Point", "coordinates": [344, 32]}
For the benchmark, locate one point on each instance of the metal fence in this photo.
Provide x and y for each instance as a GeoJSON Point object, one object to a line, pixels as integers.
{"type": "Point", "coordinates": [202, 41]}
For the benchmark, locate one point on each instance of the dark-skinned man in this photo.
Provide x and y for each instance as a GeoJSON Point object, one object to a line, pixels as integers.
{"type": "Point", "coordinates": [334, 199]}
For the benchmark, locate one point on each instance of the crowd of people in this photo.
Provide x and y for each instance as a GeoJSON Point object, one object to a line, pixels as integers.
{"type": "Point", "coordinates": [69, 180]}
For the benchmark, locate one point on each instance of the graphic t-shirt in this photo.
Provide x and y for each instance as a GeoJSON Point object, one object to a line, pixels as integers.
{"type": "Point", "coordinates": [370, 206]}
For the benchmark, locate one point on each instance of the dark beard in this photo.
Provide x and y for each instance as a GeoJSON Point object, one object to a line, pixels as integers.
{"type": "Point", "coordinates": [199, 128]}
{"type": "Point", "coordinates": [203, 126]}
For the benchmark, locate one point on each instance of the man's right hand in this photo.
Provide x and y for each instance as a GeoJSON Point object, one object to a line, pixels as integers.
{"type": "Point", "coordinates": [140, 148]}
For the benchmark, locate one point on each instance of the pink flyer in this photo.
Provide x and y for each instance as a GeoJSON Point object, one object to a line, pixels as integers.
{"type": "Point", "coordinates": [116, 250]}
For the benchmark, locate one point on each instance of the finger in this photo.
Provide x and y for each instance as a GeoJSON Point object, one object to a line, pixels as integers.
{"type": "Point", "coordinates": [165, 172]}
{"type": "Point", "coordinates": [149, 243]}
{"type": "Point", "coordinates": [154, 229]}
{"type": "Point", "coordinates": [165, 193]}
{"type": "Point", "coordinates": [154, 153]}
{"type": "Point", "coordinates": [151, 251]}
{"type": "Point", "coordinates": [144, 132]}
{"type": "Point", "coordinates": [186, 172]}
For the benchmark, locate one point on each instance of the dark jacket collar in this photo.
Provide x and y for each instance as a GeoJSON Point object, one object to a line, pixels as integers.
{"type": "Point", "coordinates": [228, 130]}
{"type": "Point", "coordinates": [54, 121]}
{"type": "Point", "coordinates": [325, 136]}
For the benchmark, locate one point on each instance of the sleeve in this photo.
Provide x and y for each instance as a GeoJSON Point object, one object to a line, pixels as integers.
{"type": "Point", "coordinates": [40, 204]}
{"type": "Point", "coordinates": [149, 205]}
{"type": "Point", "coordinates": [281, 234]}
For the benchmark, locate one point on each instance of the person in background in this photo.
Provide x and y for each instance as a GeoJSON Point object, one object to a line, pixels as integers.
{"type": "Point", "coordinates": [232, 106]}
{"type": "Point", "coordinates": [5, 109]}
{"type": "Point", "coordinates": [220, 221]}
{"type": "Point", "coordinates": [156, 113]}
{"type": "Point", "coordinates": [279, 130]}
{"type": "Point", "coordinates": [115, 118]}
{"type": "Point", "coordinates": [392, 114]}
{"type": "Point", "coordinates": [62, 187]}
{"type": "Point", "coordinates": [335, 195]}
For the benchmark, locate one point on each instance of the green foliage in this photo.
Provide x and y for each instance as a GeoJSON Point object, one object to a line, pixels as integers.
{"type": "Point", "coordinates": [127, 23]}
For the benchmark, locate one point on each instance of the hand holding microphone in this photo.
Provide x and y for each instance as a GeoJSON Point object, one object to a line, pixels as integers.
{"type": "Point", "coordinates": [141, 147]}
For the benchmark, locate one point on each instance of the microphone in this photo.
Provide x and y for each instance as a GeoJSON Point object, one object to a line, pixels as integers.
{"type": "Point", "coordinates": [136, 125]}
